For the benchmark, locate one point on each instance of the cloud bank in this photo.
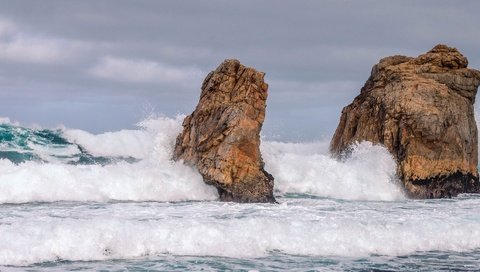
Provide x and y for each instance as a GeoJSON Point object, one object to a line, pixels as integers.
{"type": "Point", "coordinates": [143, 71]}
{"type": "Point", "coordinates": [97, 65]}
{"type": "Point", "coordinates": [18, 46]}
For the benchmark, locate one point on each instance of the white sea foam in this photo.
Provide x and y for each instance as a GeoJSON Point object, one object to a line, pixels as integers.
{"type": "Point", "coordinates": [5, 120]}
{"type": "Point", "coordinates": [31, 181]}
{"type": "Point", "coordinates": [140, 143]}
{"type": "Point", "coordinates": [155, 178]}
{"type": "Point", "coordinates": [51, 153]}
{"type": "Point", "coordinates": [368, 174]}
{"type": "Point", "coordinates": [305, 168]}
{"type": "Point", "coordinates": [297, 167]}
{"type": "Point", "coordinates": [129, 143]}
{"type": "Point", "coordinates": [342, 224]}
{"type": "Point", "coordinates": [253, 231]}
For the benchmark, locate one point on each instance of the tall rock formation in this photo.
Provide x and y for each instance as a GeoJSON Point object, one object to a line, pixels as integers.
{"type": "Point", "coordinates": [421, 110]}
{"type": "Point", "coordinates": [221, 138]}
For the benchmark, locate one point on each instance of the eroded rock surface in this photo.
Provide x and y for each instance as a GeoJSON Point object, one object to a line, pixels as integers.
{"type": "Point", "coordinates": [221, 138]}
{"type": "Point", "coordinates": [421, 110]}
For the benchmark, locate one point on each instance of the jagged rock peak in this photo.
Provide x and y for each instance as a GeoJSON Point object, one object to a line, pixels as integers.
{"type": "Point", "coordinates": [443, 56]}
{"type": "Point", "coordinates": [421, 110]}
{"type": "Point", "coordinates": [221, 138]}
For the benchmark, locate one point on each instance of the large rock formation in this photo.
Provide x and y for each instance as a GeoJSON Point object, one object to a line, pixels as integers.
{"type": "Point", "coordinates": [222, 136]}
{"type": "Point", "coordinates": [421, 110]}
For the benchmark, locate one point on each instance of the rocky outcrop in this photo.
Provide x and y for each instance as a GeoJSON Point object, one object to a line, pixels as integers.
{"type": "Point", "coordinates": [421, 110]}
{"type": "Point", "coordinates": [221, 138]}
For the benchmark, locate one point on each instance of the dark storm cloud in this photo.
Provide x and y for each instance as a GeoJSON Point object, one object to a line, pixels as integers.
{"type": "Point", "coordinates": [106, 61]}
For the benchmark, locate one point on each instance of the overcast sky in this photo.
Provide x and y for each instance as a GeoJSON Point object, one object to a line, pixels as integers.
{"type": "Point", "coordinates": [105, 65]}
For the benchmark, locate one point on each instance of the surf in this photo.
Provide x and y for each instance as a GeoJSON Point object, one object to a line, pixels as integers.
{"type": "Point", "coordinates": [136, 165]}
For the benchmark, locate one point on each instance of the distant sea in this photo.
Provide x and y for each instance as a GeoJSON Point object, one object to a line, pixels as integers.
{"type": "Point", "coordinates": [75, 201]}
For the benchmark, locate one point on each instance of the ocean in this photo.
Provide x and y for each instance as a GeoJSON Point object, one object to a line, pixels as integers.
{"type": "Point", "coordinates": [75, 201]}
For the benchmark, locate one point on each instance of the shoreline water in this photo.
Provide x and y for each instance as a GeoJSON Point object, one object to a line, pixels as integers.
{"type": "Point", "coordinates": [156, 214]}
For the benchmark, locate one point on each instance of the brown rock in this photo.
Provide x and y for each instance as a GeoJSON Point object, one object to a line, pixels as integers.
{"type": "Point", "coordinates": [221, 138]}
{"type": "Point", "coordinates": [421, 110]}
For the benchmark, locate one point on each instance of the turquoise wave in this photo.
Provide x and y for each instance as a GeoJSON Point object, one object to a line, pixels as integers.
{"type": "Point", "coordinates": [19, 144]}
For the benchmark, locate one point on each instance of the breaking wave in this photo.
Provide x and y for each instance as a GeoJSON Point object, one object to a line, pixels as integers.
{"type": "Point", "coordinates": [40, 165]}
{"type": "Point", "coordinates": [326, 228]}
{"type": "Point", "coordinates": [116, 204]}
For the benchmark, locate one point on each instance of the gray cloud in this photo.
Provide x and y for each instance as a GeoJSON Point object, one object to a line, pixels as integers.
{"type": "Point", "coordinates": [98, 65]}
{"type": "Point", "coordinates": [143, 71]}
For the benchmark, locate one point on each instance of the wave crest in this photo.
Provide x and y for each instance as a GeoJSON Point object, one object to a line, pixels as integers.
{"type": "Point", "coordinates": [299, 168]}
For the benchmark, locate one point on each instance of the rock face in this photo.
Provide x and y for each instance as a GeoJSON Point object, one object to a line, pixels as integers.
{"type": "Point", "coordinates": [221, 138]}
{"type": "Point", "coordinates": [421, 110]}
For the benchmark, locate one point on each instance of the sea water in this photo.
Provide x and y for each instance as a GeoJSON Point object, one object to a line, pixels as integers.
{"type": "Point", "coordinates": [72, 200]}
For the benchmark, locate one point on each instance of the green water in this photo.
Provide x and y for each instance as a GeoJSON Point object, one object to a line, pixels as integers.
{"type": "Point", "coordinates": [20, 144]}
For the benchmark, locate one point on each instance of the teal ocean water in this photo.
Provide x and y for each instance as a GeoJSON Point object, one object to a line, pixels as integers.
{"type": "Point", "coordinates": [75, 201]}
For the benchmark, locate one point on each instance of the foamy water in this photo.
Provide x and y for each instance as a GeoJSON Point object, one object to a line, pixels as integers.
{"type": "Point", "coordinates": [305, 168]}
{"type": "Point", "coordinates": [314, 227]}
{"type": "Point", "coordinates": [154, 213]}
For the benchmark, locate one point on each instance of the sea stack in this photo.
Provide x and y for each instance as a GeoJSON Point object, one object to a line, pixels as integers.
{"type": "Point", "coordinates": [421, 110]}
{"type": "Point", "coordinates": [221, 138]}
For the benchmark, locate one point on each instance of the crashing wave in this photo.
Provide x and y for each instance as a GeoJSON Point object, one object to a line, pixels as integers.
{"type": "Point", "coordinates": [136, 165]}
